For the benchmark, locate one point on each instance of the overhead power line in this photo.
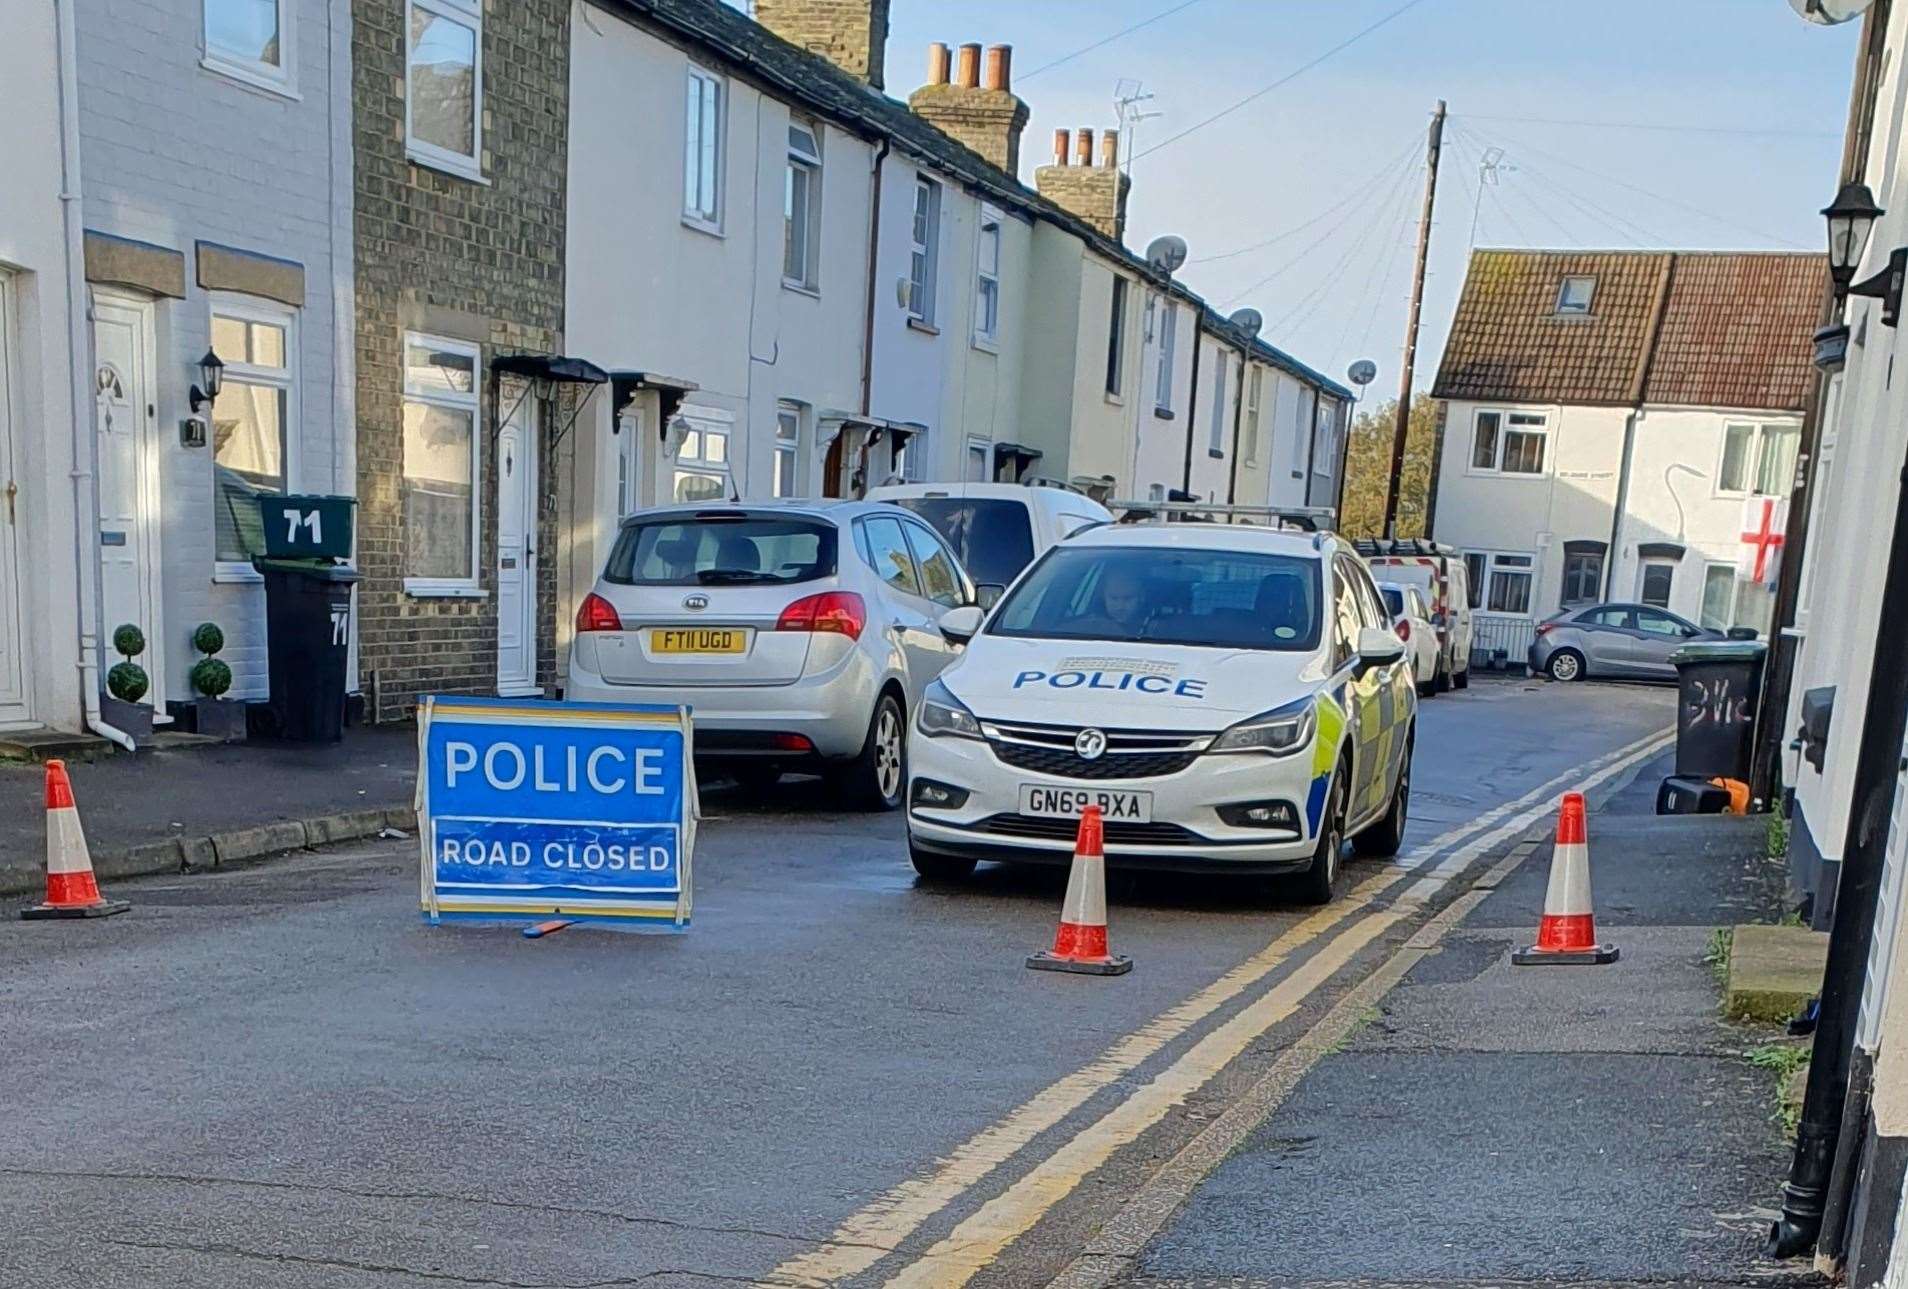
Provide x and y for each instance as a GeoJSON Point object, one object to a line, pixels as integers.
{"type": "Point", "coordinates": [1372, 181]}
{"type": "Point", "coordinates": [1663, 127]}
{"type": "Point", "coordinates": [1286, 79]}
{"type": "Point", "coordinates": [1107, 40]}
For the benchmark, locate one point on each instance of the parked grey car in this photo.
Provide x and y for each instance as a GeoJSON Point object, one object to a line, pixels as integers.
{"type": "Point", "coordinates": [1633, 641]}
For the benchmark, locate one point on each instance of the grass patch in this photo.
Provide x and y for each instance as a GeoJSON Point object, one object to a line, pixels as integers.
{"type": "Point", "coordinates": [1776, 838]}
{"type": "Point", "coordinates": [1717, 955]}
{"type": "Point", "coordinates": [1782, 1060]}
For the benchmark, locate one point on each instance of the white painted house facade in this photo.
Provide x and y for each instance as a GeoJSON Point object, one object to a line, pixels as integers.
{"type": "Point", "coordinates": [1610, 421]}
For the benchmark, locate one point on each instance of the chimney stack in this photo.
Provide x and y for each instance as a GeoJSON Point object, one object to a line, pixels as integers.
{"type": "Point", "coordinates": [851, 34]}
{"type": "Point", "coordinates": [985, 117]}
{"type": "Point", "coordinates": [1095, 193]}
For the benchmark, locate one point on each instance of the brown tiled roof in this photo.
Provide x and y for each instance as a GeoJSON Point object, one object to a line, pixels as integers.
{"type": "Point", "coordinates": [1693, 329]}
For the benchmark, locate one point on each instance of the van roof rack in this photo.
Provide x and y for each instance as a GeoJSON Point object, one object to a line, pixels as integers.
{"type": "Point", "coordinates": [1309, 519]}
{"type": "Point", "coordinates": [1369, 546]}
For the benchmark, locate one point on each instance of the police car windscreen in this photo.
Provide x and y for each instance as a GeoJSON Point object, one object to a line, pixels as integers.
{"type": "Point", "coordinates": [739, 550]}
{"type": "Point", "coordinates": [1222, 599]}
{"type": "Point", "coordinates": [992, 538]}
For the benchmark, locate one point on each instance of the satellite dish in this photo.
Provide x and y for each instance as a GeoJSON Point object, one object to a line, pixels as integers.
{"type": "Point", "coordinates": [1168, 253]}
{"type": "Point", "coordinates": [1362, 373]}
{"type": "Point", "coordinates": [1827, 13]}
{"type": "Point", "coordinates": [1250, 321]}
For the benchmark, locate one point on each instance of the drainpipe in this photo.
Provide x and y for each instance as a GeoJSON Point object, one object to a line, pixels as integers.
{"type": "Point", "coordinates": [1238, 419]}
{"type": "Point", "coordinates": [874, 255]}
{"type": "Point", "coordinates": [1611, 556]}
{"type": "Point", "coordinates": [1639, 385]}
{"type": "Point", "coordinates": [1192, 403]}
{"type": "Point", "coordinates": [85, 443]}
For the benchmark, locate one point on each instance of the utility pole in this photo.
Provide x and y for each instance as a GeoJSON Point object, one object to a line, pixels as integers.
{"type": "Point", "coordinates": [1434, 151]}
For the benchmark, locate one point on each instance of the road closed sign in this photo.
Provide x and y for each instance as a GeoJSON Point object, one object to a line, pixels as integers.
{"type": "Point", "coordinates": [530, 811]}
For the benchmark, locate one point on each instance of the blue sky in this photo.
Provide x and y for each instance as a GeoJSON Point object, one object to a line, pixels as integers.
{"type": "Point", "coordinates": [1337, 290]}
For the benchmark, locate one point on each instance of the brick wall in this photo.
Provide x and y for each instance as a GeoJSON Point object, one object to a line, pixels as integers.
{"type": "Point", "coordinates": [478, 262]}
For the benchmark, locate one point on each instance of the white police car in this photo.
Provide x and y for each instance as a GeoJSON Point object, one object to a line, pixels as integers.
{"type": "Point", "coordinates": [1231, 697]}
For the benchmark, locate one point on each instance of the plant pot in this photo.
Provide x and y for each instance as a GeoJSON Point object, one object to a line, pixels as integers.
{"type": "Point", "coordinates": [132, 719]}
{"type": "Point", "coordinates": [219, 718]}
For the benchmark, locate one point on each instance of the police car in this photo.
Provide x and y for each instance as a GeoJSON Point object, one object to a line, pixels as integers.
{"type": "Point", "coordinates": [1231, 697]}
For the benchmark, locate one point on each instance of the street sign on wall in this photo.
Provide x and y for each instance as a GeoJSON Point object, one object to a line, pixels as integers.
{"type": "Point", "coordinates": [531, 811]}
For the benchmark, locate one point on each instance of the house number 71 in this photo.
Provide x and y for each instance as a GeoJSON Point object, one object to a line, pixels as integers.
{"type": "Point", "coordinates": [308, 519]}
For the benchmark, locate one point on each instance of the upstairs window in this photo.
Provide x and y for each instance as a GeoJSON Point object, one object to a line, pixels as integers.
{"type": "Point", "coordinates": [702, 151]}
{"type": "Point", "coordinates": [924, 262]}
{"type": "Point", "coordinates": [987, 283]}
{"type": "Point", "coordinates": [1575, 294]}
{"type": "Point", "coordinates": [444, 85]}
{"type": "Point", "coordinates": [1116, 339]}
{"type": "Point", "coordinates": [1163, 379]}
{"type": "Point", "coordinates": [1509, 443]}
{"type": "Point", "coordinates": [250, 41]}
{"type": "Point", "coordinates": [1216, 434]}
{"type": "Point", "coordinates": [1758, 459]}
{"type": "Point", "coordinates": [1255, 388]}
{"type": "Point", "coordinates": [801, 243]}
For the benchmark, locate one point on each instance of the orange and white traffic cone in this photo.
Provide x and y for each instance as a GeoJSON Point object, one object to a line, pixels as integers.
{"type": "Point", "coordinates": [1568, 932]}
{"type": "Point", "coordinates": [71, 891]}
{"type": "Point", "coordinates": [1080, 943]}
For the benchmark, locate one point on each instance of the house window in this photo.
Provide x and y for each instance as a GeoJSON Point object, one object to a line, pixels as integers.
{"type": "Point", "coordinates": [1758, 459]}
{"type": "Point", "coordinates": [1163, 379]}
{"type": "Point", "coordinates": [1582, 574]}
{"type": "Point", "coordinates": [440, 487]}
{"type": "Point", "coordinates": [924, 261]}
{"type": "Point", "coordinates": [1255, 387]}
{"type": "Point", "coordinates": [987, 280]}
{"type": "Point", "coordinates": [1474, 578]}
{"type": "Point", "coordinates": [1216, 432]}
{"type": "Point", "coordinates": [1116, 339]}
{"type": "Point", "coordinates": [250, 40]}
{"type": "Point", "coordinates": [1654, 582]}
{"type": "Point", "coordinates": [788, 450]}
{"type": "Point", "coordinates": [251, 436]}
{"type": "Point", "coordinates": [1730, 600]}
{"type": "Point", "coordinates": [1509, 443]}
{"type": "Point", "coordinates": [979, 469]}
{"type": "Point", "coordinates": [702, 151]}
{"type": "Point", "coordinates": [1575, 295]}
{"type": "Point", "coordinates": [702, 462]}
{"type": "Point", "coordinates": [444, 85]}
{"type": "Point", "coordinates": [801, 243]}
{"type": "Point", "coordinates": [1505, 579]}
{"type": "Point", "coordinates": [628, 449]}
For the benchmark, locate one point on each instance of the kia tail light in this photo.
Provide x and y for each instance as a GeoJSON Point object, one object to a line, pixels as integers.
{"type": "Point", "coordinates": [837, 612]}
{"type": "Point", "coordinates": [597, 614]}
{"type": "Point", "coordinates": [1404, 629]}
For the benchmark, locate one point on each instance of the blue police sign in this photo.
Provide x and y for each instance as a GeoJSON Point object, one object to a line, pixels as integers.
{"type": "Point", "coordinates": [532, 810]}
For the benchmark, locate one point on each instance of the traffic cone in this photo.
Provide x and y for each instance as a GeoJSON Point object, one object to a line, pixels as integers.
{"type": "Point", "coordinates": [71, 891]}
{"type": "Point", "coordinates": [1080, 943]}
{"type": "Point", "coordinates": [1567, 934]}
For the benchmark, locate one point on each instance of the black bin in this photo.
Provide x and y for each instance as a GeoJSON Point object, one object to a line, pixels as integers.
{"type": "Point", "coordinates": [1719, 683]}
{"type": "Point", "coordinates": [307, 613]}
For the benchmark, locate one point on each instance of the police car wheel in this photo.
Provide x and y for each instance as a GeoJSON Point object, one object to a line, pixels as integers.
{"type": "Point", "coordinates": [938, 868]}
{"type": "Point", "coordinates": [1386, 837]}
{"type": "Point", "coordinates": [877, 779]}
{"type": "Point", "coordinates": [1314, 885]}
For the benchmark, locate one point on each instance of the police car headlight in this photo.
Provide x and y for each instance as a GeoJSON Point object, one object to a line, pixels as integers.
{"type": "Point", "coordinates": [1278, 732]}
{"type": "Point", "coordinates": [942, 714]}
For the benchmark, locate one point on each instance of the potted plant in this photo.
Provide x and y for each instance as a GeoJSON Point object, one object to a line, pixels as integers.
{"type": "Point", "coordinates": [211, 714]}
{"type": "Point", "coordinates": [126, 684]}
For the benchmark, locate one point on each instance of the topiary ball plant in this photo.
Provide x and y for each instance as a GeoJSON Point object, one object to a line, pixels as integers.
{"type": "Point", "coordinates": [129, 640]}
{"type": "Point", "coordinates": [128, 682]}
{"type": "Point", "coordinates": [211, 677]}
{"type": "Point", "coordinates": [207, 638]}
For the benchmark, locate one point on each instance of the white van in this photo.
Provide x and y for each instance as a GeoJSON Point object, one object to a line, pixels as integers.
{"type": "Point", "coordinates": [1440, 572]}
{"type": "Point", "coordinates": [996, 529]}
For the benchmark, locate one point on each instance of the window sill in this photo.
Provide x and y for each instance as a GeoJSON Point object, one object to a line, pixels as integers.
{"type": "Point", "coordinates": [252, 78]}
{"type": "Point", "coordinates": [923, 326]}
{"type": "Point", "coordinates": [1113, 400]}
{"type": "Point", "coordinates": [987, 346]}
{"type": "Point", "coordinates": [419, 588]}
{"type": "Point", "coordinates": [697, 224]}
{"type": "Point", "coordinates": [1163, 413]}
{"type": "Point", "coordinates": [801, 288]}
{"type": "Point", "coordinates": [1475, 473]}
{"type": "Point", "coordinates": [456, 168]}
{"type": "Point", "coordinates": [234, 573]}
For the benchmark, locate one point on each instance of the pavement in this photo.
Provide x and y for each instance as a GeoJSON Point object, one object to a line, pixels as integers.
{"type": "Point", "coordinates": [273, 1074]}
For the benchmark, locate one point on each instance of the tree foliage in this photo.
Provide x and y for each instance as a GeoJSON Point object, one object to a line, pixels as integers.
{"type": "Point", "coordinates": [1368, 468]}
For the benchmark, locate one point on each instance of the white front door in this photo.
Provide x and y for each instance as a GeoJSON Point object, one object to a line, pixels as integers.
{"type": "Point", "coordinates": [516, 553]}
{"type": "Point", "coordinates": [129, 496]}
{"type": "Point", "coordinates": [13, 704]}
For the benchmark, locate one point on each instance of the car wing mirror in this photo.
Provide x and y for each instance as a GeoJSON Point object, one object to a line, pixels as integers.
{"type": "Point", "coordinates": [1377, 646]}
{"type": "Point", "coordinates": [962, 624]}
{"type": "Point", "coordinates": [988, 594]}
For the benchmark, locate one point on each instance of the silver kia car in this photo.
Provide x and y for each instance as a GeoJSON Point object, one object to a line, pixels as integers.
{"type": "Point", "coordinates": [800, 634]}
{"type": "Point", "coordinates": [1631, 641]}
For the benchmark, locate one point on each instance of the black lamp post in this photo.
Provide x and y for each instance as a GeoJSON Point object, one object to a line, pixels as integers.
{"type": "Point", "coordinates": [1851, 219]}
{"type": "Point", "coordinates": [212, 378]}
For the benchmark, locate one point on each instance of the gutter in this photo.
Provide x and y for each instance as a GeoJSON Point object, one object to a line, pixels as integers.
{"type": "Point", "coordinates": [85, 454]}
{"type": "Point", "coordinates": [1658, 308]}
{"type": "Point", "coordinates": [874, 254]}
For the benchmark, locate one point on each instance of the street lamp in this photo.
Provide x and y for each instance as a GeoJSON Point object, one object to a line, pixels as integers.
{"type": "Point", "coordinates": [1851, 219]}
{"type": "Point", "coordinates": [212, 378]}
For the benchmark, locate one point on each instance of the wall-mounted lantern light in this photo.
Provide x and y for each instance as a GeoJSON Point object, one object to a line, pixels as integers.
{"type": "Point", "coordinates": [1851, 219]}
{"type": "Point", "coordinates": [211, 380]}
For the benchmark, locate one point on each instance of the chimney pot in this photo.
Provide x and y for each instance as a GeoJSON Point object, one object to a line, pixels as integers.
{"type": "Point", "coordinates": [1000, 67]}
{"type": "Point", "coordinates": [940, 63]}
{"type": "Point", "coordinates": [970, 66]}
{"type": "Point", "coordinates": [1110, 149]}
{"type": "Point", "coordinates": [1083, 146]}
{"type": "Point", "coordinates": [1062, 141]}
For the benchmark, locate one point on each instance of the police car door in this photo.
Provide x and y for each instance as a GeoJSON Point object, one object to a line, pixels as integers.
{"type": "Point", "coordinates": [1368, 693]}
